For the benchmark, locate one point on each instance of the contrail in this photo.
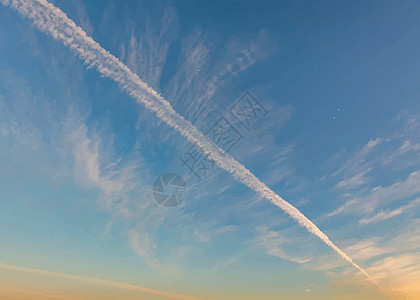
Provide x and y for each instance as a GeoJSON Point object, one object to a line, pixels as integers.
{"type": "Point", "coordinates": [51, 20]}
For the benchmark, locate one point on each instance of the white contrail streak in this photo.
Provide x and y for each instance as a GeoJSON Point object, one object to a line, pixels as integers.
{"type": "Point", "coordinates": [51, 20]}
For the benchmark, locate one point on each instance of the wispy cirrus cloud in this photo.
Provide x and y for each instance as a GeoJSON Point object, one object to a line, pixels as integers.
{"type": "Point", "coordinates": [359, 160]}
{"type": "Point", "coordinates": [379, 195]}
{"type": "Point", "coordinates": [114, 179]}
{"type": "Point", "coordinates": [272, 241]}
{"type": "Point", "coordinates": [394, 266]}
{"type": "Point", "coordinates": [358, 176]}
{"type": "Point", "coordinates": [406, 147]}
{"type": "Point", "coordinates": [366, 249]}
{"type": "Point", "coordinates": [107, 283]}
{"type": "Point", "coordinates": [207, 235]}
{"type": "Point", "coordinates": [7, 292]}
{"type": "Point", "coordinates": [356, 180]}
{"type": "Point", "coordinates": [388, 214]}
{"type": "Point", "coordinates": [399, 273]}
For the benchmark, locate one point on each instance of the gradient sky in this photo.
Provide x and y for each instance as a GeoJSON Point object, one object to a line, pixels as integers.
{"type": "Point", "coordinates": [340, 141]}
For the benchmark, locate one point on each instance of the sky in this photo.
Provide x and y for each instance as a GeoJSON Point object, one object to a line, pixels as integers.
{"type": "Point", "coordinates": [335, 131]}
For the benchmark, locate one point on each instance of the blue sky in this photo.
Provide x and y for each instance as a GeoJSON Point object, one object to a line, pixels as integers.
{"type": "Point", "coordinates": [340, 141]}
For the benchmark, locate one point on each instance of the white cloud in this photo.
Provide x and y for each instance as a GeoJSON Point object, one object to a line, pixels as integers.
{"type": "Point", "coordinates": [141, 242]}
{"type": "Point", "coordinates": [365, 249]}
{"type": "Point", "coordinates": [114, 180]}
{"type": "Point", "coordinates": [357, 162]}
{"type": "Point", "coordinates": [356, 180]}
{"type": "Point", "coordinates": [101, 282]}
{"type": "Point", "coordinates": [385, 215]}
{"type": "Point", "coordinates": [209, 234]}
{"type": "Point", "coordinates": [381, 196]}
{"type": "Point", "coordinates": [272, 241]}
{"type": "Point", "coordinates": [391, 154]}
{"type": "Point", "coordinates": [405, 148]}
{"type": "Point", "coordinates": [400, 273]}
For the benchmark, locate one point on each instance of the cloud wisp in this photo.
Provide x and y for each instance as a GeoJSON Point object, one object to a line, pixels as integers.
{"type": "Point", "coordinates": [51, 20]}
{"type": "Point", "coordinates": [385, 215]}
{"type": "Point", "coordinates": [107, 283]}
{"type": "Point", "coordinates": [24, 292]}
